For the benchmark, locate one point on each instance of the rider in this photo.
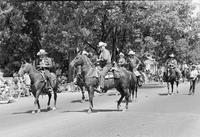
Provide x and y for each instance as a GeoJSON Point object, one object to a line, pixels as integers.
{"type": "Point", "coordinates": [105, 63]}
{"type": "Point", "coordinates": [121, 61]}
{"type": "Point", "coordinates": [173, 62]}
{"type": "Point", "coordinates": [45, 64]}
{"type": "Point", "coordinates": [134, 62]}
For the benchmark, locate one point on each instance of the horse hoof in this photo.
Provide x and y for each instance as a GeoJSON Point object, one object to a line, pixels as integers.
{"type": "Point", "coordinates": [38, 111]}
{"type": "Point", "coordinates": [124, 110]}
{"type": "Point", "coordinates": [135, 100]}
{"type": "Point", "coordinates": [130, 101]}
{"type": "Point", "coordinates": [82, 101]}
{"type": "Point", "coordinates": [118, 107]}
{"type": "Point", "coordinates": [89, 111]}
{"type": "Point", "coordinates": [54, 108]}
{"type": "Point", "coordinates": [33, 112]}
{"type": "Point", "coordinates": [49, 108]}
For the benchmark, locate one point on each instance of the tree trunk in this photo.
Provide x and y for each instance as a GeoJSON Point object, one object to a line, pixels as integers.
{"type": "Point", "coordinates": [71, 54]}
{"type": "Point", "coordinates": [114, 46]}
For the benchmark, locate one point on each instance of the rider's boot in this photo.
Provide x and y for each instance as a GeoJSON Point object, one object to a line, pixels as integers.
{"type": "Point", "coordinates": [99, 89]}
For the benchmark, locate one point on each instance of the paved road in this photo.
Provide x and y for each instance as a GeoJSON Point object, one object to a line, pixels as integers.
{"type": "Point", "coordinates": [153, 115]}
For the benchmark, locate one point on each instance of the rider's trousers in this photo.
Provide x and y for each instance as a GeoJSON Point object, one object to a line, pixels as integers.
{"type": "Point", "coordinates": [48, 75]}
{"type": "Point", "coordinates": [106, 68]}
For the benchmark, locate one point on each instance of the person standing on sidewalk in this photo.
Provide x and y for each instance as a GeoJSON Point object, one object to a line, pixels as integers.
{"type": "Point", "coordinates": [193, 78]}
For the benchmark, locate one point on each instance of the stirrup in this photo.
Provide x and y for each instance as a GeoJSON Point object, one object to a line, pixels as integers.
{"type": "Point", "coordinates": [98, 91]}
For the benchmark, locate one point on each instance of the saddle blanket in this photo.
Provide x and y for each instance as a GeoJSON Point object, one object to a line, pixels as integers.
{"type": "Point", "coordinates": [96, 73]}
{"type": "Point", "coordinates": [109, 75]}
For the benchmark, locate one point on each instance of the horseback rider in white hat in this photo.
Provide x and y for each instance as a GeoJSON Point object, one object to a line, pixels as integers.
{"type": "Point", "coordinates": [105, 63]}
{"type": "Point", "coordinates": [134, 63]}
{"type": "Point", "coordinates": [172, 62]}
{"type": "Point", "coordinates": [45, 64]}
{"type": "Point", "coordinates": [121, 61]}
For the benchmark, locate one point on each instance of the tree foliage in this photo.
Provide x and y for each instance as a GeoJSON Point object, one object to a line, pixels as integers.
{"type": "Point", "coordinates": [60, 27]}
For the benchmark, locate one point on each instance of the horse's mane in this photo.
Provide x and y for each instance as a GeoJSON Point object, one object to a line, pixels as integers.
{"type": "Point", "coordinates": [33, 67]}
{"type": "Point", "coordinates": [88, 61]}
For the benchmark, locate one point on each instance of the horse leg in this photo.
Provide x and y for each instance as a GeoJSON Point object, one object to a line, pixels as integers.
{"type": "Point", "coordinates": [119, 101]}
{"type": "Point", "coordinates": [131, 95]}
{"type": "Point", "coordinates": [83, 94]}
{"type": "Point", "coordinates": [127, 95]}
{"type": "Point", "coordinates": [168, 88]}
{"type": "Point", "coordinates": [36, 102]}
{"type": "Point", "coordinates": [121, 98]}
{"type": "Point", "coordinates": [194, 84]}
{"type": "Point", "coordinates": [172, 87]}
{"type": "Point", "coordinates": [136, 90]}
{"type": "Point", "coordinates": [55, 100]}
{"type": "Point", "coordinates": [191, 84]}
{"type": "Point", "coordinates": [91, 96]}
{"type": "Point", "coordinates": [49, 100]}
{"type": "Point", "coordinates": [177, 83]}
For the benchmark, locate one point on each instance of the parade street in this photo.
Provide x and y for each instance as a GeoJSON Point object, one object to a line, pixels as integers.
{"type": "Point", "coordinates": [154, 114]}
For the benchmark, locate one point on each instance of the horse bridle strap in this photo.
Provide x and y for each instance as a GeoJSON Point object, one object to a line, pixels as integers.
{"type": "Point", "coordinates": [43, 76]}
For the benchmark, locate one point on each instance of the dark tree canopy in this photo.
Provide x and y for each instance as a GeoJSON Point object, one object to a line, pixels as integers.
{"type": "Point", "coordinates": [60, 27]}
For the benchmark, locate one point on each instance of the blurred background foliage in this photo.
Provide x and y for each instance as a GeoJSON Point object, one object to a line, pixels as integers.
{"type": "Point", "coordinates": [60, 27]}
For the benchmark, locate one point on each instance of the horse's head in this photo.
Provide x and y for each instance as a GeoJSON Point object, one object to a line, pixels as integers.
{"type": "Point", "coordinates": [78, 60]}
{"type": "Point", "coordinates": [25, 68]}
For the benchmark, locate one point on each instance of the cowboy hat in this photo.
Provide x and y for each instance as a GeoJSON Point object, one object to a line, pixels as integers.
{"type": "Point", "coordinates": [84, 52]}
{"type": "Point", "coordinates": [171, 55]}
{"type": "Point", "coordinates": [121, 54]}
{"type": "Point", "coordinates": [42, 52]}
{"type": "Point", "coordinates": [102, 44]}
{"type": "Point", "coordinates": [131, 52]}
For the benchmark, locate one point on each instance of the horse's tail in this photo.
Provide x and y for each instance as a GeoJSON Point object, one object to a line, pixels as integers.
{"type": "Point", "coordinates": [133, 83]}
{"type": "Point", "coordinates": [164, 77]}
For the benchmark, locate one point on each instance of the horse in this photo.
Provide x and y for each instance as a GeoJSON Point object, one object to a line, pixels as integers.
{"type": "Point", "coordinates": [185, 74]}
{"type": "Point", "coordinates": [38, 85]}
{"type": "Point", "coordinates": [123, 82]}
{"type": "Point", "coordinates": [170, 77]}
{"type": "Point", "coordinates": [80, 83]}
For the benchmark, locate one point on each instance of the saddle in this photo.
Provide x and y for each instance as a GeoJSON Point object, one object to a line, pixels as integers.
{"type": "Point", "coordinates": [112, 73]}
{"type": "Point", "coordinates": [48, 82]}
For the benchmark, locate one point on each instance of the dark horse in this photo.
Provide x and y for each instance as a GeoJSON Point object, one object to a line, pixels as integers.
{"type": "Point", "coordinates": [79, 81]}
{"type": "Point", "coordinates": [170, 77]}
{"type": "Point", "coordinates": [124, 83]}
{"type": "Point", "coordinates": [38, 85]}
{"type": "Point", "coordinates": [185, 74]}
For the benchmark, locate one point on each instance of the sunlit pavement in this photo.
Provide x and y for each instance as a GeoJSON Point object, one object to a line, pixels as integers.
{"type": "Point", "coordinates": [154, 114]}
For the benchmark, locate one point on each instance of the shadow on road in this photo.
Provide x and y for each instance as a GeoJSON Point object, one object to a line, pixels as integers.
{"type": "Point", "coordinates": [30, 112]}
{"type": "Point", "coordinates": [113, 94]}
{"type": "Point", "coordinates": [93, 111]}
{"type": "Point", "coordinates": [78, 101]}
{"type": "Point", "coordinates": [166, 94]}
{"type": "Point", "coordinates": [163, 94]}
